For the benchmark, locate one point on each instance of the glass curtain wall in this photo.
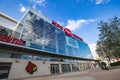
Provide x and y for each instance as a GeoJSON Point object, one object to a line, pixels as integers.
{"type": "Point", "coordinates": [42, 35]}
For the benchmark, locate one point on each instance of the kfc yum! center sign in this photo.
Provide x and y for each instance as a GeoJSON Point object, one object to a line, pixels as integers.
{"type": "Point", "coordinates": [66, 30]}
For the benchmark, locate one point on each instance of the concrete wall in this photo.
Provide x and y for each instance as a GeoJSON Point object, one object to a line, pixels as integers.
{"type": "Point", "coordinates": [7, 21]}
{"type": "Point", "coordinates": [18, 68]}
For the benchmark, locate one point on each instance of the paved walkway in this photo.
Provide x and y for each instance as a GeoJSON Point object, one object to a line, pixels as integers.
{"type": "Point", "coordinates": [113, 74]}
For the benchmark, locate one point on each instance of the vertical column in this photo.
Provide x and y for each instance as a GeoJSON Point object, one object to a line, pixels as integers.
{"type": "Point", "coordinates": [24, 21]}
{"type": "Point", "coordinates": [79, 63]}
{"type": "Point", "coordinates": [56, 36]}
{"type": "Point", "coordinates": [66, 46]}
{"type": "Point", "coordinates": [71, 67]}
{"type": "Point", "coordinates": [60, 68]}
{"type": "Point", "coordinates": [44, 31]}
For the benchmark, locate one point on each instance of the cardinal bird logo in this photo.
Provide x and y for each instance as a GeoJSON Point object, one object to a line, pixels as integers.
{"type": "Point", "coordinates": [31, 67]}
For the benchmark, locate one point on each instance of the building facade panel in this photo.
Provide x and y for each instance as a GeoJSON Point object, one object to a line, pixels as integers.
{"type": "Point", "coordinates": [37, 47]}
{"type": "Point", "coordinates": [38, 33]}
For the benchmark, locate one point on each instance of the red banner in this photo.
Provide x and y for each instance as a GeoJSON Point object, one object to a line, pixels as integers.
{"type": "Point", "coordinates": [9, 39]}
{"type": "Point", "coordinates": [68, 32]}
{"type": "Point", "coordinates": [57, 25]}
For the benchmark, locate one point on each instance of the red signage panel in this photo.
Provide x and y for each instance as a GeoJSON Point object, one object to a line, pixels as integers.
{"type": "Point", "coordinates": [57, 25]}
{"type": "Point", "coordinates": [9, 39]}
{"type": "Point", "coordinates": [31, 67]}
{"type": "Point", "coordinates": [68, 32]}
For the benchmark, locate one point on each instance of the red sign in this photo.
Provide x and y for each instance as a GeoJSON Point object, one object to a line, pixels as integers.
{"type": "Point", "coordinates": [57, 25]}
{"type": "Point", "coordinates": [9, 39]}
{"type": "Point", "coordinates": [31, 67]}
{"type": "Point", "coordinates": [66, 30]}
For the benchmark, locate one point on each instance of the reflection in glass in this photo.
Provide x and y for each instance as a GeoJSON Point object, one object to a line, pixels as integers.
{"type": "Point", "coordinates": [42, 35]}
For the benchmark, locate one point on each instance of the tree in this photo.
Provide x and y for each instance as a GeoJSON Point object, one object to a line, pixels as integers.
{"type": "Point", "coordinates": [108, 44]}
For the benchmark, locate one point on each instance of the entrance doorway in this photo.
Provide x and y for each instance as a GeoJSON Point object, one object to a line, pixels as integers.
{"type": "Point", "coordinates": [54, 68]}
{"type": "Point", "coordinates": [65, 68]}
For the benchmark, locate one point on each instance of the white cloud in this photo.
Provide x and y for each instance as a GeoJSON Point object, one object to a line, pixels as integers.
{"type": "Point", "coordinates": [94, 1]}
{"type": "Point", "coordinates": [93, 50]}
{"type": "Point", "coordinates": [42, 41]}
{"type": "Point", "coordinates": [40, 11]}
{"type": "Point", "coordinates": [101, 1]}
{"type": "Point", "coordinates": [22, 9]}
{"type": "Point", "coordinates": [39, 2]}
{"type": "Point", "coordinates": [75, 24]}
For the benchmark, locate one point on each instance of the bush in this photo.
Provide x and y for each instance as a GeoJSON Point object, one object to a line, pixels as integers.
{"type": "Point", "coordinates": [115, 63]}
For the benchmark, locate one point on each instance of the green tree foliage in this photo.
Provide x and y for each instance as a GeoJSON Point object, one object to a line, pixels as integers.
{"type": "Point", "coordinates": [108, 43]}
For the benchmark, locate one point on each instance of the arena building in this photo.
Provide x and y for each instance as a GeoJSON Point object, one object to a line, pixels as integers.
{"type": "Point", "coordinates": [37, 46]}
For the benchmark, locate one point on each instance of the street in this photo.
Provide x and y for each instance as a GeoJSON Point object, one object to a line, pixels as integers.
{"type": "Point", "coordinates": [113, 74]}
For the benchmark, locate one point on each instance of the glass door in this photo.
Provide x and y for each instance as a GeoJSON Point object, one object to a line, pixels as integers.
{"type": "Point", "coordinates": [65, 68]}
{"type": "Point", "coordinates": [54, 68]}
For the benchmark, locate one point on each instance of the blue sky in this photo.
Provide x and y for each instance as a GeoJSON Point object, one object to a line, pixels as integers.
{"type": "Point", "coordinates": [80, 16]}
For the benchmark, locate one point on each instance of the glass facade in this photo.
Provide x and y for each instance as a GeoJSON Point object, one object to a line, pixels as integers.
{"type": "Point", "coordinates": [42, 35]}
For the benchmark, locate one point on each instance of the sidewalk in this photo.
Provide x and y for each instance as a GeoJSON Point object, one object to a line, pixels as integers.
{"type": "Point", "coordinates": [112, 74]}
{"type": "Point", "coordinates": [115, 67]}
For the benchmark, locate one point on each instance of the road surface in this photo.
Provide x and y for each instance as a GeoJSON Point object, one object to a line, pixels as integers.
{"type": "Point", "coordinates": [113, 74]}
